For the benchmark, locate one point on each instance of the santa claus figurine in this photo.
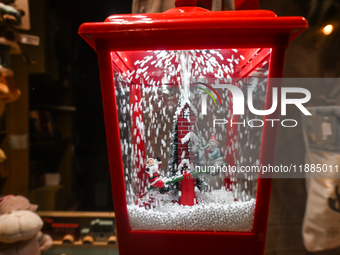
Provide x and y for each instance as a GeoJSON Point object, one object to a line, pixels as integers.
{"type": "Point", "coordinates": [152, 172]}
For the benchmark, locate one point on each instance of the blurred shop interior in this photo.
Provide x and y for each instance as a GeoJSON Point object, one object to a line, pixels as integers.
{"type": "Point", "coordinates": [52, 135]}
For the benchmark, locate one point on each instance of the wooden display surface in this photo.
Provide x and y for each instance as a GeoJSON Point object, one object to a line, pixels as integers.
{"type": "Point", "coordinates": [74, 214]}
{"type": "Point", "coordinates": [59, 242]}
{"type": "Point", "coordinates": [81, 250]}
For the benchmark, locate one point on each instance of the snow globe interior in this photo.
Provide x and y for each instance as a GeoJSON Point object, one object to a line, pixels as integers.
{"type": "Point", "coordinates": [187, 155]}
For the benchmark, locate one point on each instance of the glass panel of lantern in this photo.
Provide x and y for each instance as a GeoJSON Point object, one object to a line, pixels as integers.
{"type": "Point", "coordinates": [186, 156]}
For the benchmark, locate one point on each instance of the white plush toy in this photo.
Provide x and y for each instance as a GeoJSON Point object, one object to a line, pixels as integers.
{"type": "Point", "coordinates": [20, 228]}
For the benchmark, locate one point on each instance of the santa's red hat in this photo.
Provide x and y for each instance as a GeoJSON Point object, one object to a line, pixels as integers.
{"type": "Point", "coordinates": [213, 139]}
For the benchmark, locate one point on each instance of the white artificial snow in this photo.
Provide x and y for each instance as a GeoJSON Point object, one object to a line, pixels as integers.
{"type": "Point", "coordinates": [186, 138]}
{"type": "Point", "coordinates": [215, 211]}
{"type": "Point", "coordinates": [180, 108]}
{"type": "Point", "coordinates": [215, 196]}
{"type": "Point", "coordinates": [190, 136]}
{"type": "Point", "coordinates": [184, 162]}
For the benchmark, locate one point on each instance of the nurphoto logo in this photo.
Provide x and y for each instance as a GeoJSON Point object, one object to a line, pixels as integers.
{"type": "Point", "coordinates": [238, 106]}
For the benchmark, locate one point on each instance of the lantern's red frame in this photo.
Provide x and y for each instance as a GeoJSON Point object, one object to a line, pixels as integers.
{"type": "Point", "coordinates": [180, 29]}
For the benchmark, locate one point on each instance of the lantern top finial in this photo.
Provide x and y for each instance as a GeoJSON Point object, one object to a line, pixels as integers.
{"type": "Point", "coordinates": [182, 3]}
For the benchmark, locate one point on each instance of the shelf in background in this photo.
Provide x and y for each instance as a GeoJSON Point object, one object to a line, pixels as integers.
{"type": "Point", "coordinates": [43, 143]}
{"type": "Point", "coordinates": [62, 108]}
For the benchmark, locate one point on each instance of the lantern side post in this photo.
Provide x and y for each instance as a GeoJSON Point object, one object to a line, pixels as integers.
{"type": "Point", "coordinates": [267, 155]}
{"type": "Point", "coordinates": [113, 144]}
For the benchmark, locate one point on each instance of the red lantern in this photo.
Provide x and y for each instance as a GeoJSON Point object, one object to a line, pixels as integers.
{"type": "Point", "coordinates": [166, 81]}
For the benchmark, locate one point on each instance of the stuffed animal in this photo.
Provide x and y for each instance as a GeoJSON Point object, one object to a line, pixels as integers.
{"type": "Point", "coordinates": [20, 228]}
{"type": "Point", "coordinates": [10, 16]}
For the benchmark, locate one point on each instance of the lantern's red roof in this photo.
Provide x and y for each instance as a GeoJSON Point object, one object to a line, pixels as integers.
{"type": "Point", "coordinates": [192, 27]}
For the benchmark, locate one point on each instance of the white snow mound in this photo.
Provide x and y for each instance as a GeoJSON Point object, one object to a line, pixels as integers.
{"type": "Point", "coordinates": [216, 211]}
